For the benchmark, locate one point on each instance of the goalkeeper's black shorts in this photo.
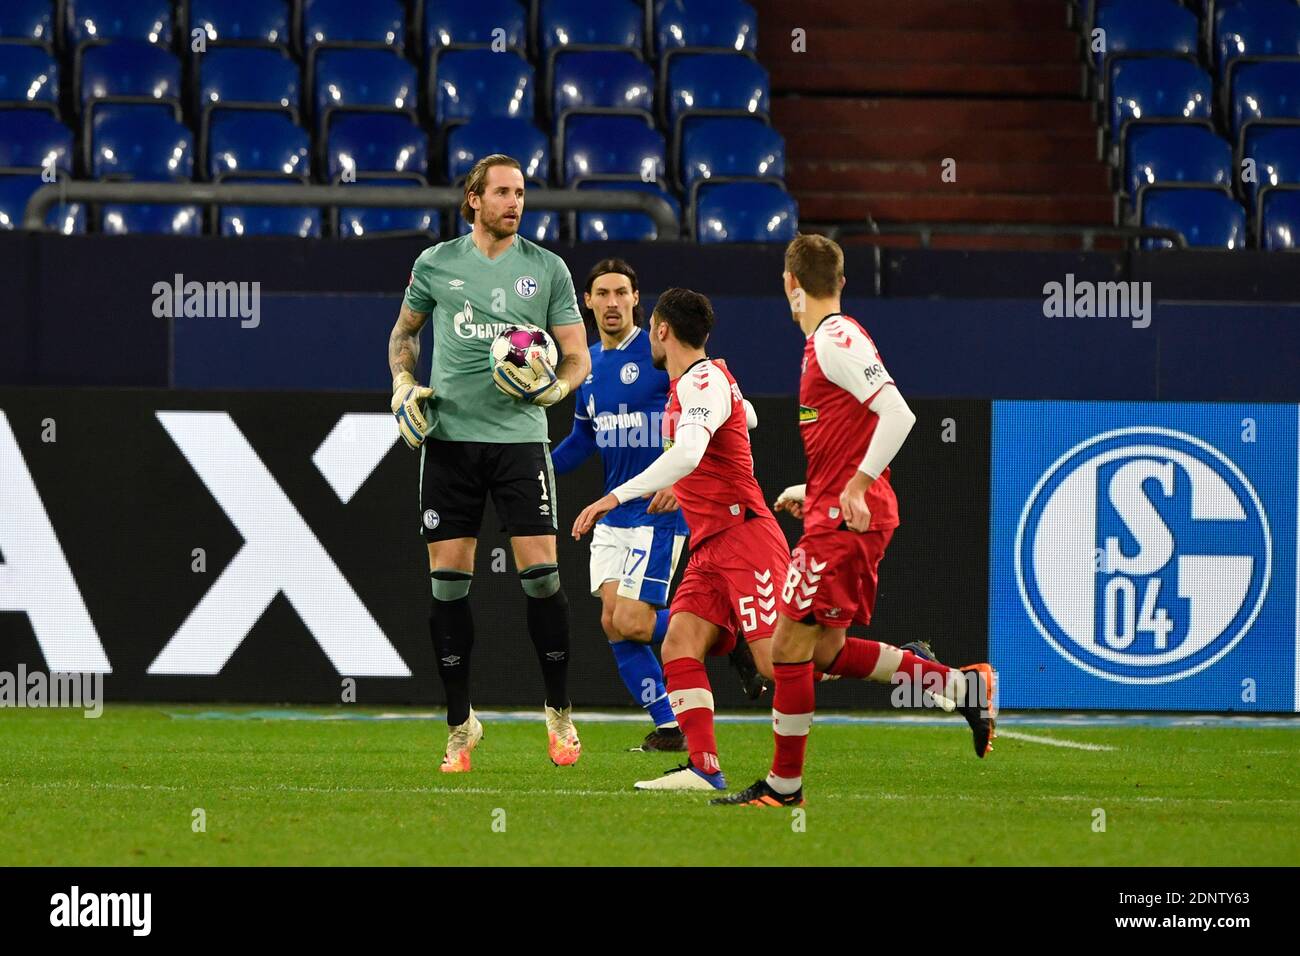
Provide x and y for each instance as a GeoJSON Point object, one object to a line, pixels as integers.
{"type": "Point", "coordinates": [457, 476]}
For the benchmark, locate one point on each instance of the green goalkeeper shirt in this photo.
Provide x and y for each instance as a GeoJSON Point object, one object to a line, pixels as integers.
{"type": "Point", "coordinates": [472, 298]}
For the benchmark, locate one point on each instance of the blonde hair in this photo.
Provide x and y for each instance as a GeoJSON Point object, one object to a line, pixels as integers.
{"type": "Point", "coordinates": [476, 182]}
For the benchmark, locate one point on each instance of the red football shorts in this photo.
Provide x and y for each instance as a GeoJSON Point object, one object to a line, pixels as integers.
{"type": "Point", "coordinates": [732, 581]}
{"type": "Point", "coordinates": [832, 576]}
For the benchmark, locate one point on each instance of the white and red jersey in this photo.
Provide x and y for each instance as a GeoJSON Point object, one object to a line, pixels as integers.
{"type": "Point", "coordinates": [842, 372]}
{"type": "Point", "coordinates": [722, 491]}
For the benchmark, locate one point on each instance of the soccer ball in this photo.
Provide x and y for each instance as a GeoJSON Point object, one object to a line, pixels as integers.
{"type": "Point", "coordinates": [513, 352]}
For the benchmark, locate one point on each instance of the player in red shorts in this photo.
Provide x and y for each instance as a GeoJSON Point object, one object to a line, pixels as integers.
{"type": "Point", "coordinates": [853, 421]}
{"type": "Point", "coordinates": [738, 551]}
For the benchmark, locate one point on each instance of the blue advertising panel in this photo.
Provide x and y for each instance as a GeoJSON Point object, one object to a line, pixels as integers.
{"type": "Point", "coordinates": [1143, 556]}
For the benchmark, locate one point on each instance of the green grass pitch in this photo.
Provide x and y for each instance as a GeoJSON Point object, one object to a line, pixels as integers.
{"type": "Point", "coordinates": [122, 789]}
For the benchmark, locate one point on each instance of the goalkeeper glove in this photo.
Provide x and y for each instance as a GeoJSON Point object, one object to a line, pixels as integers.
{"type": "Point", "coordinates": [552, 393]}
{"type": "Point", "coordinates": [408, 407]}
{"type": "Point", "coordinates": [539, 385]}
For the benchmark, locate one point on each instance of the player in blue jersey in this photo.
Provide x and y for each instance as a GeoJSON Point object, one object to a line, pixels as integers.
{"type": "Point", "coordinates": [619, 414]}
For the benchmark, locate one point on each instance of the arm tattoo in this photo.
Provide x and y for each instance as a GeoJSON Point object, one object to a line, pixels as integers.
{"type": "Point", "coordinates": [404, 342]}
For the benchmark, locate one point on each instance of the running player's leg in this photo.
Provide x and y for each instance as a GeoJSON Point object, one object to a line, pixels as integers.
{"type": "Point", "coordinates": [690, 640]}
{"type": "Point", "coordinates": [833, 578]}
{"type": "Point", "coordinates": [608, 556]}
{"type": "Point", "coordinates": [647, 558]}
{"type": "Point", "coordinates": [792, 649]}
{"type": "Point", "coordinates": [624, 622]}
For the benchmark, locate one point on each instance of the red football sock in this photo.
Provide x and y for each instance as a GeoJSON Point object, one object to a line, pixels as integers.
{"type": "Point", "coordinates": [793, 702]}
{"type": "Point", "coordinates": [691, 699]}
{"type": "Point", "coordinates": [856, 659]}
{"type": "Point", "coordinates": [860, 658]}
{"type": "Point", "coordinates": [910, 662]}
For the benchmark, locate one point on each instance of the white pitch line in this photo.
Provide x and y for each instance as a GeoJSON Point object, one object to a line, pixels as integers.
{"type": "Point", "coordinates": [877, 795]}
{"type": "Point", "coordinates": [1050, 741]}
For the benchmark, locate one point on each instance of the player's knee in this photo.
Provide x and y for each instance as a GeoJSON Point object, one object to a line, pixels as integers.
{"type": "Point", "coordinates": [681, 643]}
{"type": "Point", "coordinates": [634, 621]}
{"type": "Point", "coordinates": [540, 580]}
{"type": "Point", "coordinates": [449, 584]}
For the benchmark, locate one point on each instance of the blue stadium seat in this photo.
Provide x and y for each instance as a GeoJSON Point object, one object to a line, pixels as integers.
{"type": "Point", "coordinates": [359, 222]}
{"type": "Point", "coordinates": [14, 193]}
{"type": "Point", "coordinates": [118, 220]}
{"type": "Point", "coordinates": [563, 23]}
{"type": "Point", "coordinates": [386, 143]}
{"type": "Point", "coordinates": [301, 221]}
{"type": "Point", "coordinates": [129, 68]}
{"type": "Point", "coordinates": [1147, 26]}
{"type": "Point", "coordinates": [362, 79]}
{"type": "Point", "coordinates": [1256, 28]}
{"type": "Point", "coordinates": [31, 20]}
{"type": "Point", "coordinates": [140, 144]}
{"type": "Point", "coordinates": [347, 22]}
{"type": "Point", "coordinates": [33, 139]}
{"type": "Point", "coordinates": [149, 21]}
{"type": "Point", "coordinates": [602, 79]}
{"type": "Point", "coordinates": [729, 24]}
{"type": "Point", "coordinates": [470, 142]}
{"type": "Point", "coordinates": [305, 222]}
{"type": "Point", "coordinates": [256, 143]}
{"type": "Point", "coordinates": [1182, 152]}
{"type": "Point", "coordinates": [716, 81]}
{"type": "Point", "coordinates": [1156, 87]}
{"type": "Point", "coordinates": [243, 21]}
{"type": "Point", "coordinates": [1276, 151]}
{"type": "Point", "coordinates": [476, 83]}
{"type": "Point", "coordinates": [457, 23]}
{"type": "Point", "coordinates": [611, 226]}
{"type": "Point", "coordinates": [1264, 91]}
{"type": "Point", "coordinates": [745, 212]}
{"type": "Point", "coordinates": [30, 141]}
{"type": "Point", "coordinates": [1207, 218]}
{"type": "Point", "coordinates": [242, 76]}
{"type": "Point", "coordinates": [29, 76]}
{"type": "Point", "coordinates": [713, 148]}
{"type": "Point", "coordinates": [612, 146]}
{"type": "Point", "coordinates": [538, 225]}
{"type": "Point", "coordinates": [1280, 219]}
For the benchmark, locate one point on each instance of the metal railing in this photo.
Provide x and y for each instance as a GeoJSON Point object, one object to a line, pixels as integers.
{"type": "Point", "coordinates": [926, 231]}
{"type": "Point", "coordinates": [438, 197]}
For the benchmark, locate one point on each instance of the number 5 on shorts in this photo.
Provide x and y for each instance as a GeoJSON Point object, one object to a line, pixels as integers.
{"type": "Point", "coordinates": [747, 618]}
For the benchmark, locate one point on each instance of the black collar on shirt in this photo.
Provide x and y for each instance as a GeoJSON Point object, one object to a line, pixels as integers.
{"type": "Point", "coordinates": [829, 315]}
{"type": "Point", "coordinates": [693, 364]}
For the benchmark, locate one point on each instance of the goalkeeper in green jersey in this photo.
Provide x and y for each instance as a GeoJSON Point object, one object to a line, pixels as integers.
{"type": "Point", "coordinates": [474, 440]}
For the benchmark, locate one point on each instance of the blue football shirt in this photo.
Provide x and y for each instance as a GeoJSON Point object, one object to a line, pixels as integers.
{"type": "Point", "coordinates": [619, 415]}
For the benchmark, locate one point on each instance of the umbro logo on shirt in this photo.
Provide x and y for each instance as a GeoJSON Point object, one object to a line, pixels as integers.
{"type": "Point", "coordinates": [456, 283]}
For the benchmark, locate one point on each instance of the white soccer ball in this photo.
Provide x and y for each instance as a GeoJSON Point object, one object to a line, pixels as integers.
{"type": "Point", "coordinates": [513, 351]}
